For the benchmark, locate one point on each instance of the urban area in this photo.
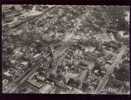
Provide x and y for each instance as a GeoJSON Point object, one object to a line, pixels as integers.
{"type": "Point", "coordinates": [65, 49]}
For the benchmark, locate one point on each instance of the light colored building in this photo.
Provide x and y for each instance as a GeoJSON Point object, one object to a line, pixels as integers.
{"type": "Point", "coordinates": [46, 89]}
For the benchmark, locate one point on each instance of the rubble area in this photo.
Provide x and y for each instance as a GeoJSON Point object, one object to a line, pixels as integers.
{"type": "Point", "coordinates": [65, 49]}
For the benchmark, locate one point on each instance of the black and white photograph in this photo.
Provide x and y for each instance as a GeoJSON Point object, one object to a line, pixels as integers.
{"type": "Point", "coordinates": [65, 49]}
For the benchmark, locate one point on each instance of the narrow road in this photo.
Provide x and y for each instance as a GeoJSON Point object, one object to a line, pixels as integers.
{"type": "Point", "coordinates": [116, 62]}
{"type": "Point", "coordinates": [23, 79]}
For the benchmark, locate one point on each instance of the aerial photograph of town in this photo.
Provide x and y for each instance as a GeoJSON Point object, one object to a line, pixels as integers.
{"type": "Point", "coordinates": [65, 49]}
